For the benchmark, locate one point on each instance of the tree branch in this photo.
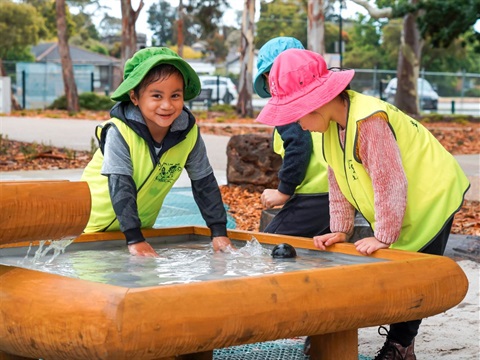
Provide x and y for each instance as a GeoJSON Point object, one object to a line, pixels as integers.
{"type": "Point", "coordinates": [375, 12]}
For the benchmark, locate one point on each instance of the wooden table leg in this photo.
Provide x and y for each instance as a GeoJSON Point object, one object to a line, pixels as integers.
{"type": "Point", "coordinates": [342, 345]}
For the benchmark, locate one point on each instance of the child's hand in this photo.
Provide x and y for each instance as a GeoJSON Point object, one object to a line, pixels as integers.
{"type": "Point", "coordinates": [142, 249]}
{"type": "Point", "coordinates": [322, 241]}
{"type": "Point", "coordinates": [222, 243]}
{"type": "Point", "coordinates": [272, 197]}
{"type": "Point", "coordinates": [368, 246]}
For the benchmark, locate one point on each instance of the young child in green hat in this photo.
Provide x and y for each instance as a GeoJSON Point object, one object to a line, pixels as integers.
{"type": "Point", "coordinates": [144, 147]}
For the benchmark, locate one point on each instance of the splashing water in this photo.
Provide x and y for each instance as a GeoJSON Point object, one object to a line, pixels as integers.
{"type": "Point", "coordinates": [179, 261]}
{"type": "Point", "coordinates": [58, 247]}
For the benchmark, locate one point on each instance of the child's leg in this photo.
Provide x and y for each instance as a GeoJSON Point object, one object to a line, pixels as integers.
{"type": "Point", "coordinates": [404, 332]}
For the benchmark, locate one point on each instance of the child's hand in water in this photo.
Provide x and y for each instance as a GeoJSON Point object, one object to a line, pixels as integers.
{"type": "Point", "coordinates": [221, 243]}
{"type": "Point", "coordinates": [322, 241]}
{"type": "Point", "coordinates": [142, 249]}
{"type": "Point", "coordinates": [368, 246]}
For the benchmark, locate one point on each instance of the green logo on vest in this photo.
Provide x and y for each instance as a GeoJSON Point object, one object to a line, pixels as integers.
{"type": "Point", "coordinates": [168, 172]}
{"type": "Point", "coordinates": [353, 173]}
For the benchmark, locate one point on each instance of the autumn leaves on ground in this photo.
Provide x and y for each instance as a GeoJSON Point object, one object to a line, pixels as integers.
{"type": "Point", "coordinates": [244, 204]}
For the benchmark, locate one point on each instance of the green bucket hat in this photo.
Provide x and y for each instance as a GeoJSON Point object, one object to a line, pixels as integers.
{"type": "Point", "coordinates": [143, 60]}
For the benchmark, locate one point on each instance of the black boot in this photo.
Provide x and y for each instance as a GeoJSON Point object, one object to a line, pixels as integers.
{"type": "Point", "coordinates": [392, 350]}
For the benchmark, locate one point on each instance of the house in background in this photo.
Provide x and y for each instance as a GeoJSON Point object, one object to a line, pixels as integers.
{"type": "Point", "coordinates": [39, 84]}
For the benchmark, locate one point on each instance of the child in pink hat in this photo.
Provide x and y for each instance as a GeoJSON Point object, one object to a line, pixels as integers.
{"type": "Point", "coordinates": [381, 162]}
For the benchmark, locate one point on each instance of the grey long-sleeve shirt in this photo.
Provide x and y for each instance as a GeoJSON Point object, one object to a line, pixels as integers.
{"type": "Point", "coordinates": [118, 167]}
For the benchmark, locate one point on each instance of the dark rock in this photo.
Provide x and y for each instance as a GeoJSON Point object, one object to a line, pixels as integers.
{"type": "Point", "coordinates": [251, 161]}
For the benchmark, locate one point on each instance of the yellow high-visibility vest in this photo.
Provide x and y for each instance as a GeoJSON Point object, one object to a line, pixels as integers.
{"type": "Point", "coordinates": [436, 182]}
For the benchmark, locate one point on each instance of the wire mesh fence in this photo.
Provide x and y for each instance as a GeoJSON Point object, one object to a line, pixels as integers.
{"type": "Point", "coordinates": [37, 85]}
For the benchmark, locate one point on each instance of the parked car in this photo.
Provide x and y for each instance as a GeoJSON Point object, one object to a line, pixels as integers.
{"type": "Point", "coordinates": [223, 88]}
{"type": "Point", "coordinates": [427, 95]}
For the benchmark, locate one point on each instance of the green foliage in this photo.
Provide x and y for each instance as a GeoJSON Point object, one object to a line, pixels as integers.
{"type": "Point", "coordinates": [458, 56]}
{"type": "Point", "coordinates": [207, 14]}
{"type": "Point", "coordinates": [87, 101]}
{"type": "Point", "coordinates": [391, 38]}
{"type": "Point", "coordinates": [47, 10]}
{"type": "Point", "coordinates": [201, 20]}
{"type": "Point", "coordinates": [85, 27]}
{"type": "Point", "coordinates": [228, 110]}
{"type": "Point", "coordinates": [452, 118]}
{"type": "Point", "coordinates": [281, 18]}
{"type": "Point", "coordinates": [89, 44]}
{"type": "Point", "coordinates": [372, 44]}
{"type": "Point", "coordinates": [442, 21]}
{"type": "Point", "coordinates": [110, 26]}
{"type": "Point", "coordinates": [473, 92]}
{"type": "Point", "coordinates": [20, 26]}
{"type": "Point", "coordinates": [161, 20]}
{"type": "Point", "coordinates": [20, 54]}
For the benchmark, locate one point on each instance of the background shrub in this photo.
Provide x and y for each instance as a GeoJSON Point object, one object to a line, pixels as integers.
{"type": "Point", "coordinates": [87, 100]}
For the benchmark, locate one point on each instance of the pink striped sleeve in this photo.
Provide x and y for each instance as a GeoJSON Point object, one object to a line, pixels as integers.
{"type": "Point", "coordinates": [342, 213]}
{"type": "Point", "coordinates": [382, 160]}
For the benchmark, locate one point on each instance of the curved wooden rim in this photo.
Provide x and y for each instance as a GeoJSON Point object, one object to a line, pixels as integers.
{"type": "Point", "coordinates": [43, 210]}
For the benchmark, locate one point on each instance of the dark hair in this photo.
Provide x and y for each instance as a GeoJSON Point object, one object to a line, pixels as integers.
{"type": "Point", "coordinates": [343, 95]}
{"type": "Point", "coordinates": [159, 72]}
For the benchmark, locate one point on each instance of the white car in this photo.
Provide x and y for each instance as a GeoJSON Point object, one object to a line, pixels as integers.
{"type": "Point", "coordinates": [223, 88]}
{"type": "Point", "coordinates": [427, 95]}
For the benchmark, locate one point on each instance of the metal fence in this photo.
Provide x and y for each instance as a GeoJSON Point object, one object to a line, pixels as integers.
{"type": "Point", "coordinates": [37, 86]}
{"type": "Point", "coordinates": [458, 92]}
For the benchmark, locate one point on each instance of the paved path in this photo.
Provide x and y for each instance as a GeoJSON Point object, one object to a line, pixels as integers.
{"type": "Point", "coordinates": [79, 135]}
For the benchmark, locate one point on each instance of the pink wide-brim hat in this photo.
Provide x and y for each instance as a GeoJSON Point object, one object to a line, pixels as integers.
{"type": "Point", "coordinates": [300, 83]}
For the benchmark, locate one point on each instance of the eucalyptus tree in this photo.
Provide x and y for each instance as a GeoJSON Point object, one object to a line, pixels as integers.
{"type": "Point", "coordinates": [244, 104]}
{"type": "Point", "coordinates": [129, 35]}
{"type": "Point", "coordinates": [70, 87]}
{"type": "Point", "coordinates": [439, 21]}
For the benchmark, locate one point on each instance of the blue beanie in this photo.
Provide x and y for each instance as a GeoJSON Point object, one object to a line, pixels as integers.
{"type": "Point", "coordinates": [266, 55]}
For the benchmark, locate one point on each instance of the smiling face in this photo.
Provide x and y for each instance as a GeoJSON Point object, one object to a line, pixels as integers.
{"type": "Point", "coordinates": [160, 100]}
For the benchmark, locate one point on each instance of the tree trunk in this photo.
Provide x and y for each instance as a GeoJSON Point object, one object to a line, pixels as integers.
{"type": "Point", "coordinates": [180, 29]}
{"type": "Point", "coordinates": [244, 104]}
{"type": "Point", "coordinates": [67, 68]}
{"type": "Point", "coordinates": [406, 96]}
{"type": "Point", "coordinates": [129, 35]}
{"type": "Point", "coordinates": [408, 68]}
{"type": "Point", "coordinates": [316, 26]}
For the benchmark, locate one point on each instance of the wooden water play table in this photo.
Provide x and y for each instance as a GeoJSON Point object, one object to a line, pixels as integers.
{"type": "Point", "coordinates": [49, 316]}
